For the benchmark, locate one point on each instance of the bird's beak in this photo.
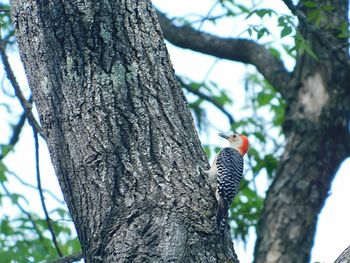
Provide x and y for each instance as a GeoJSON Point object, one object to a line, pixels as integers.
{"type": "Point", "coordinates": [223, 136]}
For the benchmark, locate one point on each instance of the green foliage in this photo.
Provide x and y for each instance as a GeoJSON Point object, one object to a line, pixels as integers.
{"type": "Point", "coordinates": [262, 12]}
{"type": "Point", "coordinates": [5, 149]}
{"type": "Point", "coordinates": [287, 24]}
{"type": "Point", "coordinates": [199, 94]}
{"type": "Point", "coordinates": [317, 11]}
{"type": "Point", "coordinates": [266, 108]}
{"type": "Point", "coordinates": [263, 96]}
{"type": "Point", "coordinates": [19, 242]}
{"type": "Point", "coordinates": [259, 30]}
{"type": "Point", "coordinates": [6, 25]}
{"type": "Point", "coordinates": [302, 46]}
{"type": "Point", "coordinates": [245, 211]}
{"type": "Point", "coordinates": [3, 177]}
{"type": "Point", "coordinates": [25, 238]}
{"type": "Point", "coordinates": [344, 30]}
{"type": "Point", "coordinates": [268, 162]}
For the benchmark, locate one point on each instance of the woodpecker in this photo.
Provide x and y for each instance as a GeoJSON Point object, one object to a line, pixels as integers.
{"type": "Point", "coordinates": [226, 173]}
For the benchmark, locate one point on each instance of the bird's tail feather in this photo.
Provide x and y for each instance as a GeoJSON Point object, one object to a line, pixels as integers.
{"type": "Point", "coordinates": [221, 216]}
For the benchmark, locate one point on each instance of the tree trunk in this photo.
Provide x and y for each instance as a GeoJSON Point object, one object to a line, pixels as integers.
{"type": "Point", "coordinates": [316, 129]}
{"type": "Point", "coordinates": [119, 131]}
{"type": "Point", "coordinates": [344, 257]}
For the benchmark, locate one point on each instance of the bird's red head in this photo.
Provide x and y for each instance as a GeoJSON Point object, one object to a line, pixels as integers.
{"type": "Point", "coordinates": [238, 142]}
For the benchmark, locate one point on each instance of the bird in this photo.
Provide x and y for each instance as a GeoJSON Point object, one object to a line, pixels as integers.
{"type": "Point", "coordinates": [226, 173]}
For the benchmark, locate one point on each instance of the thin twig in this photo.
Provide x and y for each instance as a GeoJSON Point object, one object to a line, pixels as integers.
{"type": "Point", "coordinates": [69, 259]}
{"type": "Point", "coordinates": [207, 16]}
{"type": "Point", "coordinates": [15, 134]}
{"type": "Point", "coordinates": [209, 71]}
{"type": "Point", "coordinates": [16, 131]}
{"type": "Point", "coordinates": [207, 98]}
{"type": "Point", "coordinates": [19, 94]}
{"type": "Point", "coordinates": [47, 217]}
{"type": "Point", "coordinates": [200, 20]}
{"type": "Point", "coordinates": [36, 188]}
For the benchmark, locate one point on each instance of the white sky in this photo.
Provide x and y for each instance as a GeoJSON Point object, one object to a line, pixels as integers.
{"type": "Point", "coordinates": [333, 231]}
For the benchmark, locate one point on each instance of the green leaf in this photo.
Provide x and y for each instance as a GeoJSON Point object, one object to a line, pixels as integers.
{"type": "Point", "coordinates": [281, 21]}
{"type": "Point", "coordinates": [195, 85]}
{"type": "Point", "coordinates": [5, 227]}
{"type": "Point", "coordinates": [5, 149]}
{"type": "Point", "coordinates": [274, 52]}
{"type": "Point", "coordinates": [309, 4]}
{"type": "Point", "coordinates": [262, 12]}
{"type": "Point", "coordinates": [253, 152]}
{"type": "Point", "coordinates": [207, 150]}
{"type": "Point", "coordinates": [302, 46]}
{"type": "Point", "coordinates": [261, 32]}
{"type": "Point", "coordinates": [245, 211]}
{"type": "Point", "coordinates": [243, 8]}
{"type": "Point", "coordinates": [270, 164]}
{"type": "Point", "coordinates": [328, 8]}
{"type": "Point", "coordinates": [250, 31]}
{"type": "Point", "coordinates": [286, 31]}
{"type": "Point", "coordinates": [345, 33]}
{"type": "Point", "coordinates": [3, 169]}
{"type": "Point", "coordinates": [261, 137]}
{"type": "Point", "coordinates": [310, 52]}
{"type": "Point", "coordinates": [264, 98]}
{"type": "Point", "coordinates": [313, 15]}
{"type": "Point", "coordinates": [279, 111]}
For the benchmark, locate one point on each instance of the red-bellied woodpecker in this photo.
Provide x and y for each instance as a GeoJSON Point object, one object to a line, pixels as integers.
{"type": "Point", "coordinates": [226, 174]}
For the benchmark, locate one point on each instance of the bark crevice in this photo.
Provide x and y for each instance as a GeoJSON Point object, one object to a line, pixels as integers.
{"type": "Point", "coordinates": [119, 131]}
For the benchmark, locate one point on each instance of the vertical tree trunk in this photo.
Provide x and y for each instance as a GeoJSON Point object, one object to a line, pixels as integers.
{"type": "Point", "coordinates": [119, 131]}
{"type": "Point", "coordinates": [317, 142]}
{"type": "Point", "coordinates": [344, 257]}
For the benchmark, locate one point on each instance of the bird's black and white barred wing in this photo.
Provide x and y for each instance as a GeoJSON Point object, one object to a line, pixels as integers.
{"type": "Point", "coordinates": [230, 170]}
{"type": "Point", "coordinates": [229, 174]}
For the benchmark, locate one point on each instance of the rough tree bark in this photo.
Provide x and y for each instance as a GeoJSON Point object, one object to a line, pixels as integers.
{"type": "Point", "coordinates": [344, 257]}
{"type": "Point", "coordinates": [316, 125]}
{"type": "Point", "coordinates": [119, 131]}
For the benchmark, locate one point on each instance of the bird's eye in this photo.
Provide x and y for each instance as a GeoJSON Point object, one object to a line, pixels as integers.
{"type": "Point", "coordinates": [234, 136]}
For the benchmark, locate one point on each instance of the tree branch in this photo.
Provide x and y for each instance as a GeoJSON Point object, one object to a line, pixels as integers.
{"type": "Point", "coordinates": [15, 134]}
{"type": "Point", "coordinates": [69, 259]}
{"type": "Point", "coordinates": [16, 131]}
{"type": "Point", "coordinates": [290, 5]}
{"type": "Point", "coordinates": [47, 217]}
{"type": "Point", "coordinates": [207, 98]}
{"type": "Point", "coordinates": [236, 49]}
{"type": "Point", "coordinates": [12, 78]}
